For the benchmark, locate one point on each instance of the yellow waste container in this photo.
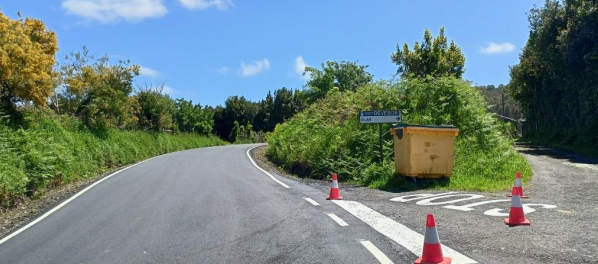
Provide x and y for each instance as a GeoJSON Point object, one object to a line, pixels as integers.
{"type": "Point", "coordinates": [424, 151]}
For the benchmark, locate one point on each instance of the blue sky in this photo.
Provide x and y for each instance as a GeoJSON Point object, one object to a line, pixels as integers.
{"type": "Point", "coordinates": [207, 50]}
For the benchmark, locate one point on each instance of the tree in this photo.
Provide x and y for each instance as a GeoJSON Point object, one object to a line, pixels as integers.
{"type": "Point", "coordinates": [236, 109]}
{"type": "Point", "coordinates": [27, 58]}
{"type": "Point", "coordinates": [556, 80]}
{"type": "Point", "coordinates": [156, 110]}
{"type": "Point", "coordinates": [193, 118]}
{"type": "Point", "coordinates": [346, 76]}
{"type": "Point", "coordinates": [433, 57]}
{"type": "Point", "coordinates": [99, 93]}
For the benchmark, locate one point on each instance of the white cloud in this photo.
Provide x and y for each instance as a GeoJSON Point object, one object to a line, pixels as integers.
{"type": "Point", "coordinates": [223, 70]}
{"type": "Point", "coordinates": [149, 72]}
{"type": "Point", "coordinates": [255, 68]}
{"type": "Point", "coordinates": [300, 68]}
{"type": "Point", "coordinates": [205, 4]}
{"type": "Point", "coordinates": [495, 48]}
{"type": "Point", "coordinates": [167, 90]}
{"type": "Point", "coordinates": [107, 11]}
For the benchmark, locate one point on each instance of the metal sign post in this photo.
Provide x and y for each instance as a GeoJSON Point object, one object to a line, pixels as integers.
{"type": "Point", "coordinates": [380, 117]}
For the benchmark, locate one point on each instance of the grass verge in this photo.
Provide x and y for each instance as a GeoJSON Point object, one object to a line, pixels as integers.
{"type": "Point", "coordinates": [47, 151]}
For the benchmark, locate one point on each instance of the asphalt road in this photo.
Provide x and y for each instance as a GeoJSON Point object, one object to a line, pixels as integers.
{"type": "Point", "coordinates": [207, 205]}
{"type": "Point", "coordinates": [565, 233]}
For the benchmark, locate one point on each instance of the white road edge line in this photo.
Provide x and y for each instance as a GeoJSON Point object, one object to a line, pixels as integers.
{"type": "Point", "coordinates": [65, 203]}
{"type": "Point", "coordinates": [401, 234]}
{"type": "Point", "coordinates": [267, 173]}
{"type": "Point", "coordinates": [376, 252]}
{"type": "Point", "coordinates": [338, 220]}
{"type": "Point", "coordinates": [311, 201]}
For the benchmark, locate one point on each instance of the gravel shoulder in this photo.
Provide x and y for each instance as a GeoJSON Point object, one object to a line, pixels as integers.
{"type": "Point", "coordinates": [562, 192]}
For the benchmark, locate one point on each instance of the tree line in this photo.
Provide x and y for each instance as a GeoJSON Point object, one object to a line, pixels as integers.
{"type": "Point", "coordinates": [556, 80]}
{"type": "Point", "coordinates": [101, 93]}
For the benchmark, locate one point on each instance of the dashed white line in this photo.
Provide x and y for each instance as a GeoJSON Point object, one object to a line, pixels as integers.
{"type": "Point", "coordinates": [267, 173]}
{"type": "Point", "coordinates": [376, 252]}
{"type": "Point", "coordinates": [64, 203]}
{"type": "Point", "coordinates": [311, 201]}
{"type": "Point", "coordinates": [338, 220]}
{"type": "Point", "coordinates": [401, 234]}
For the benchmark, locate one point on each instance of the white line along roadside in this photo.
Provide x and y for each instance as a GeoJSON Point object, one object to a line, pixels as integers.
{"type": "Point", "coordinates": [311, 201]}
{"type": "Point", "coordinates": [65, 203]}
{"type": "Point", "coordinates": [401, 234]}
{"type": "Point", "coordinates": [338, 220]}
{"type": "Point", "coordinates": [267, 173]}
{"type": "Point", "coordinates": [376, 252]}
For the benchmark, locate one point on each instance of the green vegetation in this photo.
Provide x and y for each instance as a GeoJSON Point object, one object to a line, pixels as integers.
{"type": "Point", "coordinates": [327, 137]}
{"type": "Point", "coordinates": [49, 150]}
{"type": "Point", "coordinates": [556, 79]}
{"type": "Point", "coordinates": [433, 57]}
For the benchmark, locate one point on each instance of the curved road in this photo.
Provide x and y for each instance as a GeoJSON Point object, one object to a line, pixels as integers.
{"type": "Point", "coordinates": [209, 205]}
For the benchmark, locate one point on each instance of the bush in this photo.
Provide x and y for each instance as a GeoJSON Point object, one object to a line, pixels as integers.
{"type": "Point", "coordinates": [49, 151]}
{"type": "Point", "coordinates": [327, 137]}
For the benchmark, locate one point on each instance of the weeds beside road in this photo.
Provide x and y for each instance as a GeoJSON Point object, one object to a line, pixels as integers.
{"type": "Point", "coordinates": [51, 151]}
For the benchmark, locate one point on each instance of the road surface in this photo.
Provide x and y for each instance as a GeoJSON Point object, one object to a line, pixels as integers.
{"type": "Point", "coordinates": [209, 205]}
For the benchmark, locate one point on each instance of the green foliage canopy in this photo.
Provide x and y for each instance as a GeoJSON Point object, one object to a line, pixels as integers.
{"type": "Point", "coordinates": [556, 80]}
{"type": "Point", "coordinates": [346, 76]}
{"type": "Point", "coordinates": [434, 56]}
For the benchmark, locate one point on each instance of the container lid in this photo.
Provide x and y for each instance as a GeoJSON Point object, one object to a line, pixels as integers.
{"type": "Point", "coordinates": [402, 125]}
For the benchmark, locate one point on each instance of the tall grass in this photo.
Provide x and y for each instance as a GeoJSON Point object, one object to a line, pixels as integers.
{"type": "Point", "coordinates": [327, 137]}
{"type": "Point", "coordinates": [48, 150]}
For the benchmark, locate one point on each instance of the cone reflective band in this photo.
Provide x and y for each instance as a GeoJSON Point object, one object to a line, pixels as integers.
{"type": "Point", "coordinates": [519, 186]}
{"type": "Point", "coordinates": [516, 214]}
{"type": "Point", "coordinates": [432, 253]}
{"type": "Point", "coordinates": [335, 193]}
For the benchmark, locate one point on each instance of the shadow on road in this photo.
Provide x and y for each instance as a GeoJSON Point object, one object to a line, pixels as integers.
{"type": "Point", "coordinates": [526, 148]}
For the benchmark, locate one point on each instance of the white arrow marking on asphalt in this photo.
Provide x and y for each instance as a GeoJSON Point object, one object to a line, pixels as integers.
{"type": "Point", "coordinates": [376, 252]}
{"type": "Point", "coordinates": [267, 173]}
{"type": "Point", "coordinates": [401, 234]}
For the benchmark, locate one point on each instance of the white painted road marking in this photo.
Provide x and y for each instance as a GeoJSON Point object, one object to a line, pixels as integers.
{"type": "Point", "coordinates": [401, 234]}
{"type": "Point", "coordinates": [428, 199]}
{"type": "Point", "coordinates": [267, 173]}
{"type": "Point", "coordinates": [338, 220]}
{"type": "Point", "coordinates": [311, 201]}
{"type": "Point", "coordinates": [65, 203]}
{"type": "Point", "coordinates": [376, 252]}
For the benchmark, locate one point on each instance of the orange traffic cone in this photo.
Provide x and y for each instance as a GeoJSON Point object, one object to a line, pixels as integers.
{"type": "Point", "coordinates": [516, 215]}
{"type": "Point", "coordinates": [432, 253]}
{"type": "Point", "coordinates": [519, 186]}
{"type": "Point", "coordinates": [335, 193]}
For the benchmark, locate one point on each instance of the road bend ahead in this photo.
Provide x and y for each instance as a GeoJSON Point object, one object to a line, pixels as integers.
{"type": "Point", "coordinates": [209, 205]}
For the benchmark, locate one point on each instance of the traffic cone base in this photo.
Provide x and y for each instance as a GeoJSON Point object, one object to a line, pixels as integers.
{"type": "Point", "coordinates": [525, 222]}
{"type": "Point", "coordinates": [444, 261]}
{"type": "Point", "coordinates": [334, 195]}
